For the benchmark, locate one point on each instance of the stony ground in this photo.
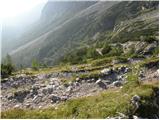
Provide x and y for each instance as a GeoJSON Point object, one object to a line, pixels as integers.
{"type": "Point", "coordinates": [45, 90]}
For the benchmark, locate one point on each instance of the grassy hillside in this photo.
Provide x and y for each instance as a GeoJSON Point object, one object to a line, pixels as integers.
{"type": "Point", "coordinates": [105, 21]}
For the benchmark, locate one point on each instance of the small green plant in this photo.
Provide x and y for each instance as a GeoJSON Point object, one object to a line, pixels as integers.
{"type": "Point", "coordinates": [7, 67]}
{"type": "Point", "coordinates": [35, 64]}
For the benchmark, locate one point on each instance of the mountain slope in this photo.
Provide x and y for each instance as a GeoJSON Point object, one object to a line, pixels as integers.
{"type": "Point", "coordinates": [100, 17]}
{"type": "Point", "coordinates": [44, 24]}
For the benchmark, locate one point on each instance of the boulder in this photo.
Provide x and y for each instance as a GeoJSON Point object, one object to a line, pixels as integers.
{"type": "Point", "coordinates": [15, 84]}
{"type": "Point", "coordinates": [33, 91]}
{"type": "Point", "coordinates": [69, 89]}
{"type": "Point", "coordinates": [150, 48]}
{"type": "Point", "coordinates": [78, 79]}
{"type": "Point", "coordinates": [27, 105]}
{"type": "Point", "coordinates": [41, 76]}
{"type": "Point", "coordinates": [17, 106]}
{"type": "Point", "coordinates": [65, 85]}
{"type": "Point", "coordinates": [127, 70]}
{"type": "Point", "coordinates": [21, 75]}
{"type": "Point", "coordinates": [106, 71]}
{"type": "Point", "coordinates": [20, 95]}
{"type": "Point", "coordinates": [37, 99]}
{"type": "Point", "coordinates": [54, 98]}
{"type": "Point", "coordinates": [117, 83]}
{"type": "Point", "coordinates": [70, 83]}
{"type": "Point", "coordinates": [76, 84]}
{"type": "Point", "coordinates": [52, 80]}
{"type": "Point", "coordinates": [136, 98]}
{"type": "Point", "coordinates": [120, 78]}
{"type": "Point", "coordinates": [139, 47]}
{"type": "Point", "coordinates": [64, 98]}
{"type": "Point", "coordinates": [101, 84]}
{"type": "Point", "coordinates": [10, 96]}
{"type": "Point", "coordinates": [107, 82]}
{"type": "Point", "coordinates": [141, 74]}
{"type": "Point", "coordinates": [47, 90]}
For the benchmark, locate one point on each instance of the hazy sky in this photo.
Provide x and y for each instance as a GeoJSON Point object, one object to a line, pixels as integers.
{"type": "Point", "coordinates": [13, 12]}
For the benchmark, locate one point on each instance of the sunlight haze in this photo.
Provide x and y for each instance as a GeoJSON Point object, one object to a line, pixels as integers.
{"type": "Point", "coordinates": [13, 8]}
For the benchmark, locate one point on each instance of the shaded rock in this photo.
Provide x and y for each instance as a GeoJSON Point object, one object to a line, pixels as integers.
{"type": "Point", "coordinates": [54, 98]}
{"type": "Point", "coordinates": [76, 84]}
{"type": "Point", "coordinates": [66, 85]}
{"type": "Point", "coordinates": [141, 74]}
{"type": "Point", "coordinates": [17, 106]}
{"type": "Point", "coordinates": [69, 89]}
{"type": "Point", "coordinates": [139, 47]}
{"type": "Point", "coordinates": [150, 48]}
{"type": "Point", "coordinates": [10, 96]}
{"type": "Point", "coordinates": [107, 82]}
{"type": "Point", "coordinates": [101, 84]}
{"type": "Point", "coordinates": [127, 70]}
{"type": "Point", "coordinates": [27, 105]}
{"type": "Point", "coordinates": [20, 95]}
{"type": "Point", "coordinates": [42, 76]}
{"type": "Point", "coordinates": [120, 78]}
{"type": "Point", "coordinates": [117, 83]}
{"type": "Point", "coordinates": [34, 91]}
{"type": "Point", "coordinates": [21, 75]}
{"type": "Point", "coordinates": [135, 98]}
{"type": "Point", "coordinates": [54, 81]}
{"type": "Point", "coordinates": [47, 90]}
{"type": "Point", "coordinates": [37, 99]}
